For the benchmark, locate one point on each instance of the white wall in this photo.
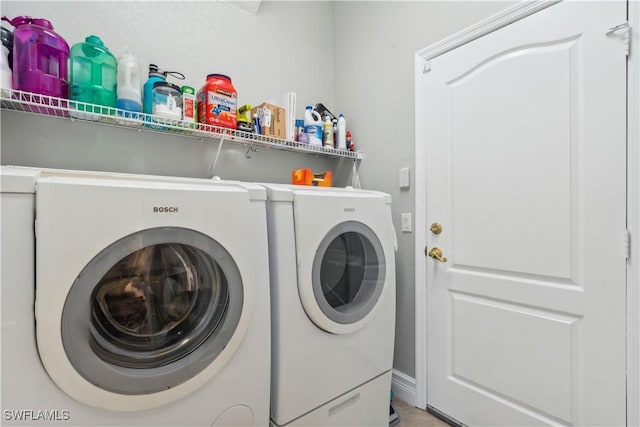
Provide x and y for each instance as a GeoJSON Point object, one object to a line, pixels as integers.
{"type": "Point", "coordinates": [374, 46]}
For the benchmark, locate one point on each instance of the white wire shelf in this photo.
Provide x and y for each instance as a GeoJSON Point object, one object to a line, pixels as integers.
{"type": "Point", "coordinates": [34, 103]}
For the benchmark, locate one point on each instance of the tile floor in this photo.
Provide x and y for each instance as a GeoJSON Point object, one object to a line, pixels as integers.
{"type": "Point", "coordinates": [414, 417]}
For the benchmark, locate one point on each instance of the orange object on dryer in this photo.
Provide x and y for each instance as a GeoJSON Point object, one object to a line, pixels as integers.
{"type": "Point", "coordinates": [307, 177]}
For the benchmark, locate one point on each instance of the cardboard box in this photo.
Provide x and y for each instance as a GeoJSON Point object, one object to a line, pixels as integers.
{"type": "Point", "coordinates": [272, 120]}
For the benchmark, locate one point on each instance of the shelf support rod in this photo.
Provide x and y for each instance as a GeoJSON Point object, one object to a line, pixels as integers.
{"type": "Point", "coordinates": [215, 161]}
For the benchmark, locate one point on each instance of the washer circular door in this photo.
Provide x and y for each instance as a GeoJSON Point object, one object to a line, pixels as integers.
{"type": "Point", "coordinates": [152, 310]}
{"type": "Point", "coordinates": [347, 278]}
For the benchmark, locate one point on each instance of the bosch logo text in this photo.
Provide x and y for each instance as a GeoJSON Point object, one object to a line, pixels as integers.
{"type": "Point", "coordinates": [165, 209]}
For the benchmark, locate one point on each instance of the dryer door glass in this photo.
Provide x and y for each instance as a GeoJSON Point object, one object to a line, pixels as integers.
{"type": "Point", "coordinates": [348, 272]}
{"type": "Point", "coordinates": [152, 310]}
{"type": "Point", "coordinates": [157, 305]}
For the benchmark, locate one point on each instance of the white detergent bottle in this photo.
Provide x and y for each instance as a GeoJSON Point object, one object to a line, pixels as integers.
{"type": "Point", "coordinates": [5, 71]}
{"type": "Point", "coordinates": [313, 126]}
{"type": "Point", "coordinates": [129, 83]}
{"type": "Point", "coordinates": [341, 133]}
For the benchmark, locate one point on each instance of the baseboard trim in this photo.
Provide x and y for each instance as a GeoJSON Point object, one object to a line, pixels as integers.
{"type": "Point", "coordinates": [403, 387]}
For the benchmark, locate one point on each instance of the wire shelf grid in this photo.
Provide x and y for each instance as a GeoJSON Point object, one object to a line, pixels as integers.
{"type": "Point", "coordinates": [34, 103]}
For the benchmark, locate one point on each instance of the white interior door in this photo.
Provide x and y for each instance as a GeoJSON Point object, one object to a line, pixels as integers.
{"type": "Point", "coordinates": [525, 171]}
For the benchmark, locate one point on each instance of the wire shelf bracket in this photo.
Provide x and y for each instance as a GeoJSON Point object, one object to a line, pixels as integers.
{"type": "Point", "coordinates": [33, 103]}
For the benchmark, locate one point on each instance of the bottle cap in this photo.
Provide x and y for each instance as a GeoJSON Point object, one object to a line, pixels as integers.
{"type": "Point", "coordinates": [94, 40]}
{"type": "Point", "coordinates": [219, 75]}
{"type": "Point", "coordinates": [154, 71]}
{"type": "Point", "coordinates": [189, 90]}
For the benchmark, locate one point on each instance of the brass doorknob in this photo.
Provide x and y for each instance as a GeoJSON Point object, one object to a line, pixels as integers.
{"type": "Point", "coordinates": [436, 228]}
{"type": "Point", "coordinates": [436, 253]}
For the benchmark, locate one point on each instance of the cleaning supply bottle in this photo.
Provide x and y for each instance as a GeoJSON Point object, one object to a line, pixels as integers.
{"type": "Point", "coordinates": [155, 75]}
{"type": "Point", "coordinates": [313, 126]}
{"type": "Point", "coordinates": [93, 73]}
{"type": "Point", "coordinates": [40, 57]}
{"type": "Point", "coordinates": [129, 84]}
{"type": "Point", "coordinates": [327, 133]}
{"type": "Point", "coordinates": [341, 133]}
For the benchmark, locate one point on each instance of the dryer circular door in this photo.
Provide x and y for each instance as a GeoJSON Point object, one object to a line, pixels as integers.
{"type": "Point", "coordinates": [152, 311]}
{"type": "Point", "coordinates": [348, 277]}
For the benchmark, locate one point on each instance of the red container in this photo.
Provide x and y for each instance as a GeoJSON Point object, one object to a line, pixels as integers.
{"type": "Point", "coordinates": [217, 102]}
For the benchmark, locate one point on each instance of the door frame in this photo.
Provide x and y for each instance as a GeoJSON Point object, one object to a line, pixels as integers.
{"type": "Point", "coordinates": [633, 218]}
{"type": "Point", "coordinates": [422, 65]}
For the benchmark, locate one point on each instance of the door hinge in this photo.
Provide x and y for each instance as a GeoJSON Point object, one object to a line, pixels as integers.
{"type": "Point", "coordinates": [427, 67]}
{"type": "Point", "coordinates": [627, 245]}
{"type": "Point", "coordinates": [622, 30]}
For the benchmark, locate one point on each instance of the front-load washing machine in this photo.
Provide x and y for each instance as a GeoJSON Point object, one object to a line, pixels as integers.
{"type": "Point", "coordinates": [333, 305]}
{"type": "Point", "coordinates": [131, 300]}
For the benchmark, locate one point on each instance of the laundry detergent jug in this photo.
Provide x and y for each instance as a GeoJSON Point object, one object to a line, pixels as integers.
{"type": "Point", "coordinates": [129, 83]}
{"type": "Point", "coordinates": [313, 126]}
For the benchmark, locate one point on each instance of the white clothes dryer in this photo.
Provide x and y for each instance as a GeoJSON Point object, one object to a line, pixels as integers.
{"type": "Point", "coordinates": [133, 300]}
{"type": "Point", "coordinates": [333, 305]}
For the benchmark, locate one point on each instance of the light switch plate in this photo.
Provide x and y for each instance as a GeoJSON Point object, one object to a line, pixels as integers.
{"type": "Point", "coordinates": [403, 178]}
{"type": "Point", "coordinates": [406, 222]}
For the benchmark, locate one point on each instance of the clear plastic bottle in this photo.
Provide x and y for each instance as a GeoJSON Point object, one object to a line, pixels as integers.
{"type": "Point", "coordinates": [167, 100]}
{"type": "Point", "coordinates": [129, 83]}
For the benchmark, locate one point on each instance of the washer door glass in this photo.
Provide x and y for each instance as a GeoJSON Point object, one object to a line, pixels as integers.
{"type": "Point", "coordinates": [152, 310]}
{"type": "Point", "coordinates": [348, 272]}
